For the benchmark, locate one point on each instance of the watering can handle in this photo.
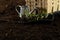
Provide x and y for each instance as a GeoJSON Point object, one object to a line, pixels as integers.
{"type": "Point", "coordinates": [17, 9]}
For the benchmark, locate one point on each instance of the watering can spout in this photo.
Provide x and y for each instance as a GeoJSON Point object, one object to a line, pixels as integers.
{"type": "Point", "coordinates": [32, 11]}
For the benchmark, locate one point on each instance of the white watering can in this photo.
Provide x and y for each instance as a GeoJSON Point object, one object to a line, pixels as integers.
{"type": "Point", "coordinates": [23, 10]}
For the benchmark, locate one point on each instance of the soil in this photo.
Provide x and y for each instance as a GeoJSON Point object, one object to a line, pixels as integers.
{"type": "Point", "coordinates": [11, 30]}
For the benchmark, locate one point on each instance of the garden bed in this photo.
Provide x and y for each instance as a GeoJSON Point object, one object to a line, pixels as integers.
{"type": "Point", "coordinates": [49, 19]}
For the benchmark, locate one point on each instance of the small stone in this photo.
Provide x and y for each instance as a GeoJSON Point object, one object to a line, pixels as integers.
{"type": "Point", "coordinates": [6, 34]}
{"type": "Point", "coordinates": [6, 6]}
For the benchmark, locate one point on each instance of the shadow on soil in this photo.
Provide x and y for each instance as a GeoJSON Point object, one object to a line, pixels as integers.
{"type": "Point", "coordinates": [11, 30]}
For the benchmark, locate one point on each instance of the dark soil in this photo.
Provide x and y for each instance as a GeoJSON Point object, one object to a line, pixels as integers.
{"type": "Point", "coordinates": [10, 29]}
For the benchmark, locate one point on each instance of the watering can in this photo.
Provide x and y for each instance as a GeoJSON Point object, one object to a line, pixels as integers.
{"type": "Point", "coordinates": [23, 10]}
